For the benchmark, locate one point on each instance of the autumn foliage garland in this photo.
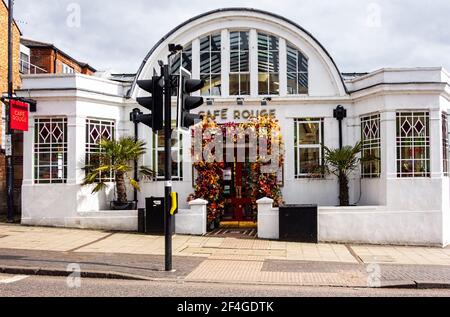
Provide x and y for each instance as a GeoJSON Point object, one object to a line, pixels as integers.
{"type": "Point", "coordinates": [209, 180]}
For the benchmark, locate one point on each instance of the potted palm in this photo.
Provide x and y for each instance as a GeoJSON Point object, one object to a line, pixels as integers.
{"type": "Point", "coordinates": [116, 158]}
{"type": "Point", "coordinates": [342, 162]}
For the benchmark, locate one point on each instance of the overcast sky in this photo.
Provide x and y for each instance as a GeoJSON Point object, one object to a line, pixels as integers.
{"type": "Point", "coordinates": [360, 35]}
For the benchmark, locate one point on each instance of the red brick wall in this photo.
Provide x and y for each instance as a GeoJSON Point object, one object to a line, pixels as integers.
{"type": "Point", "coordinates": [43, 58]}
{"type": "Point", "coordinates": [4, 84]}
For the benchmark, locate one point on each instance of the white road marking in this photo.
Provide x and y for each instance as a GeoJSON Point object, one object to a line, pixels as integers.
{"type": "Point", "coordinates": [13, 279]}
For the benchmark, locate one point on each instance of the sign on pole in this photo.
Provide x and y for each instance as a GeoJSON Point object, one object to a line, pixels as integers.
{"type": "Point", "coordinates": [8, 145]}
{"type": "Point", "coordinates": [18, 111]}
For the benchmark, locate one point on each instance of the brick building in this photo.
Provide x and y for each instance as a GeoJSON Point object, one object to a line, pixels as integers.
{"type": "Point", "coordinates": [4, 85]}
{"type": "Point", "coordinates": [47, 58]}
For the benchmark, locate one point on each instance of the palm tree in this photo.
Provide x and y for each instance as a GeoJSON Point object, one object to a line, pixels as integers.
{"type": "Point", "coordinates": [116, 158]}
{"type": "Point", "coordinates": [342, 162]}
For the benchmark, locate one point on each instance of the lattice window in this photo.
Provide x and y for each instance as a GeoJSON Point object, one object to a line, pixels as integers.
{"type": "Point", "coordinates": [371, 146]}
{"type": "Point", "coordinates": [50, 151]}
{"type": "Point", "coordinates": [308, 140]}
{"type": "Point", "coordinates": [97, 130]}
{"type": "Point", "coordinates": [445, 143]}
{"type": "Point", "coordinates": [413, 144]}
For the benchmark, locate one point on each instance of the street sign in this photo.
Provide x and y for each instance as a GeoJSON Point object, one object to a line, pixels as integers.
{"type": "Point", "coordinates": [8, 145]}
{"type": "Point", "coordinates": [18, 115]}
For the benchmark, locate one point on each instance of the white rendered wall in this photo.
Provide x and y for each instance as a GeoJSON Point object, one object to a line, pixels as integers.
{"type": "Point", "coordinates": [84, 97]}
{"type": "Point", "coordinates": [380, 225]}
{"type": "Point", "coordinates": [413, 211]}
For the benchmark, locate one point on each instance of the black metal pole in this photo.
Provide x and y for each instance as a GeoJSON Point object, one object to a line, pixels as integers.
{"type": "Point", "coordinates": [168, 166]}
{"type": "Point", "coordinates": [341, 143]}
{"type": "Point", "coordinates": [136, 172]}
{"type": "Point", "coordinates": [9, 158]}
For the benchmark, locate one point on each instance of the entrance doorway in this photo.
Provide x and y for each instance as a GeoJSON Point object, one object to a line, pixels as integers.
{"type": "Point", "coordinates": [239, 210]}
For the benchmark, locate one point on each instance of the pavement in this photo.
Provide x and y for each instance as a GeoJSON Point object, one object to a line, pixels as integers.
{"type": "Point", "coordinates": [100, 254]}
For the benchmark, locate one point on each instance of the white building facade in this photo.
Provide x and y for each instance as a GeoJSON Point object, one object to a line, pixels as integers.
{"type": "Point", "coordinates": [256, 62]}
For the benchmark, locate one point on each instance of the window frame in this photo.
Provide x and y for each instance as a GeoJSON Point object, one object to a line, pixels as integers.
{"type": "Point", "coordinates": [24, 63]}
{"type": "Point", "coordinates": [298, 146]}
{"type": "Point", "coordinates": [402, 140]}
{"type": "Point", "coordinates": [48, 148]}
{"type": "Point", "coordinates": [207, 91]}
{"type": "Point", "coordinates": [179, 60]}
{"type": "Point", "coordinates": [240, 73]}
{"type": "Point", "coordinates": [371, 144]}
{"type": "Point", "coordinates": [157, 148]}
{"type": "Point", "coordinates": [269, 53]}
{"type": "Point", "coordinates": [66, 69]}
{"type": "Point", "coordinates": [298, 72]}
{"type": "Point", "coordinates": [93, 148]}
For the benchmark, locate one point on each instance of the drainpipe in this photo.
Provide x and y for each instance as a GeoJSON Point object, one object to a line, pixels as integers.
{"type": "Point", "coordinates": [55, 64]}
{"type": "Point", "coordinates": [340, 113]}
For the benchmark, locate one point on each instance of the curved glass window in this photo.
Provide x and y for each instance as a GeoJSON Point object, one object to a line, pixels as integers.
{"type": "Point", "coordinates": [185, 57]}
{"type": "Point", "coordinates": [211, 64]}
{"type": "Point", "coordinates": [239, 64]}
{"type": "Point", "coordinates": [297, 71]}
{"type": "Point", "coordinates": [268, 65]}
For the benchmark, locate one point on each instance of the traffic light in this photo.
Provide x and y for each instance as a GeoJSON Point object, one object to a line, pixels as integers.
{"type": "Point", "coordinates": [186, 102]}
{"type": "Point", "coordinates": [155, 103]}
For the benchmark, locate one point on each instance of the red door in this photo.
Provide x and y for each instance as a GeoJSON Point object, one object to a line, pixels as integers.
{"type": "Point", "coordinates": [240, 201]}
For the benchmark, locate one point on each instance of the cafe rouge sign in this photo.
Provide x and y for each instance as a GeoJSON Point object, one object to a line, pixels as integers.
{"type": "Point", "coordinates": [18, 115]}
{"type": "Point", "coordinates": [237, 115]}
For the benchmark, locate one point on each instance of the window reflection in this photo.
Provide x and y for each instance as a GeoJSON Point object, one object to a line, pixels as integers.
{"type": "Point", "coordinates": [268, 65]}
{"type": "Point", "coordinates": [297, 71]}
{"type": "Point", "coordinates": [308, 137]}
{"type": "Point", "coordinates": [211, 64]}
{"type": "Point", "coordinates": [239, 64]}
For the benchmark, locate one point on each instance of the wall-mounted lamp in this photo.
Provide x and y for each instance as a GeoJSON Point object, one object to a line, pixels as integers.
{"type": "Point", "coordinates": [266, 101]}
{"type": "Point", "coordinates": [240, 101]}
{"type": "Point", "coordinates": [340, 113]}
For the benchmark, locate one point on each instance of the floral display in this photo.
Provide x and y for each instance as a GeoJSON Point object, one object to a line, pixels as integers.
{"type": "Point", "coordinates": [209, 172]}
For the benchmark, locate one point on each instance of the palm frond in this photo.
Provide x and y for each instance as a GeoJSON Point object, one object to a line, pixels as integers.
{"type": "Point", "coordinates": [99, 187]}
{"type": "Point", "coordinates": [135, 184]}
{"type": "Point", "coordinates": [343, 160]}
{"type": "Point", "coordinates": [116, 157]}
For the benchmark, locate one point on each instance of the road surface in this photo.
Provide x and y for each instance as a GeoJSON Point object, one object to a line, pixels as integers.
{"type": "Point", "coordinates": [41, 286]}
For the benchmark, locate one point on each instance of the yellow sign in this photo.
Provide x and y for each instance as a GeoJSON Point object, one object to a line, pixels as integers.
{"type": "Point", "coordinates": [174, 206]}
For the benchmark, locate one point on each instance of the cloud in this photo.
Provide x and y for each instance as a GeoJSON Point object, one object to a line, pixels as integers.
{"type": "Point", "coordinates": [361, 35]}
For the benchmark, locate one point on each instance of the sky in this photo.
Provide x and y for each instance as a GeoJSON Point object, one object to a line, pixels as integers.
{"type": "Point", "coordinates": [360, 35]}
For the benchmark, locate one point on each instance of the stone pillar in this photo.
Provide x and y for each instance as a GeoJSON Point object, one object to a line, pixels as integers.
{"type": "Point", "coordinates": [192, 221]}
{"type": "Point", "coordinates": [268, 220]}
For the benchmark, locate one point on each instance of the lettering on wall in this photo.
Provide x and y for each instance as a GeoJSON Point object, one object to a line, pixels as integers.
{"type": "Point", "coordinates": [237, 115]}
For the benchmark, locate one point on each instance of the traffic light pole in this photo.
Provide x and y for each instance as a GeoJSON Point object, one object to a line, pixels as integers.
{"type": "Point", "coordinates": [168, 166]}
{"type": "Point", "coordinates": [136, 162]}
{"type": "Point", "coordinates": [9, 153]}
